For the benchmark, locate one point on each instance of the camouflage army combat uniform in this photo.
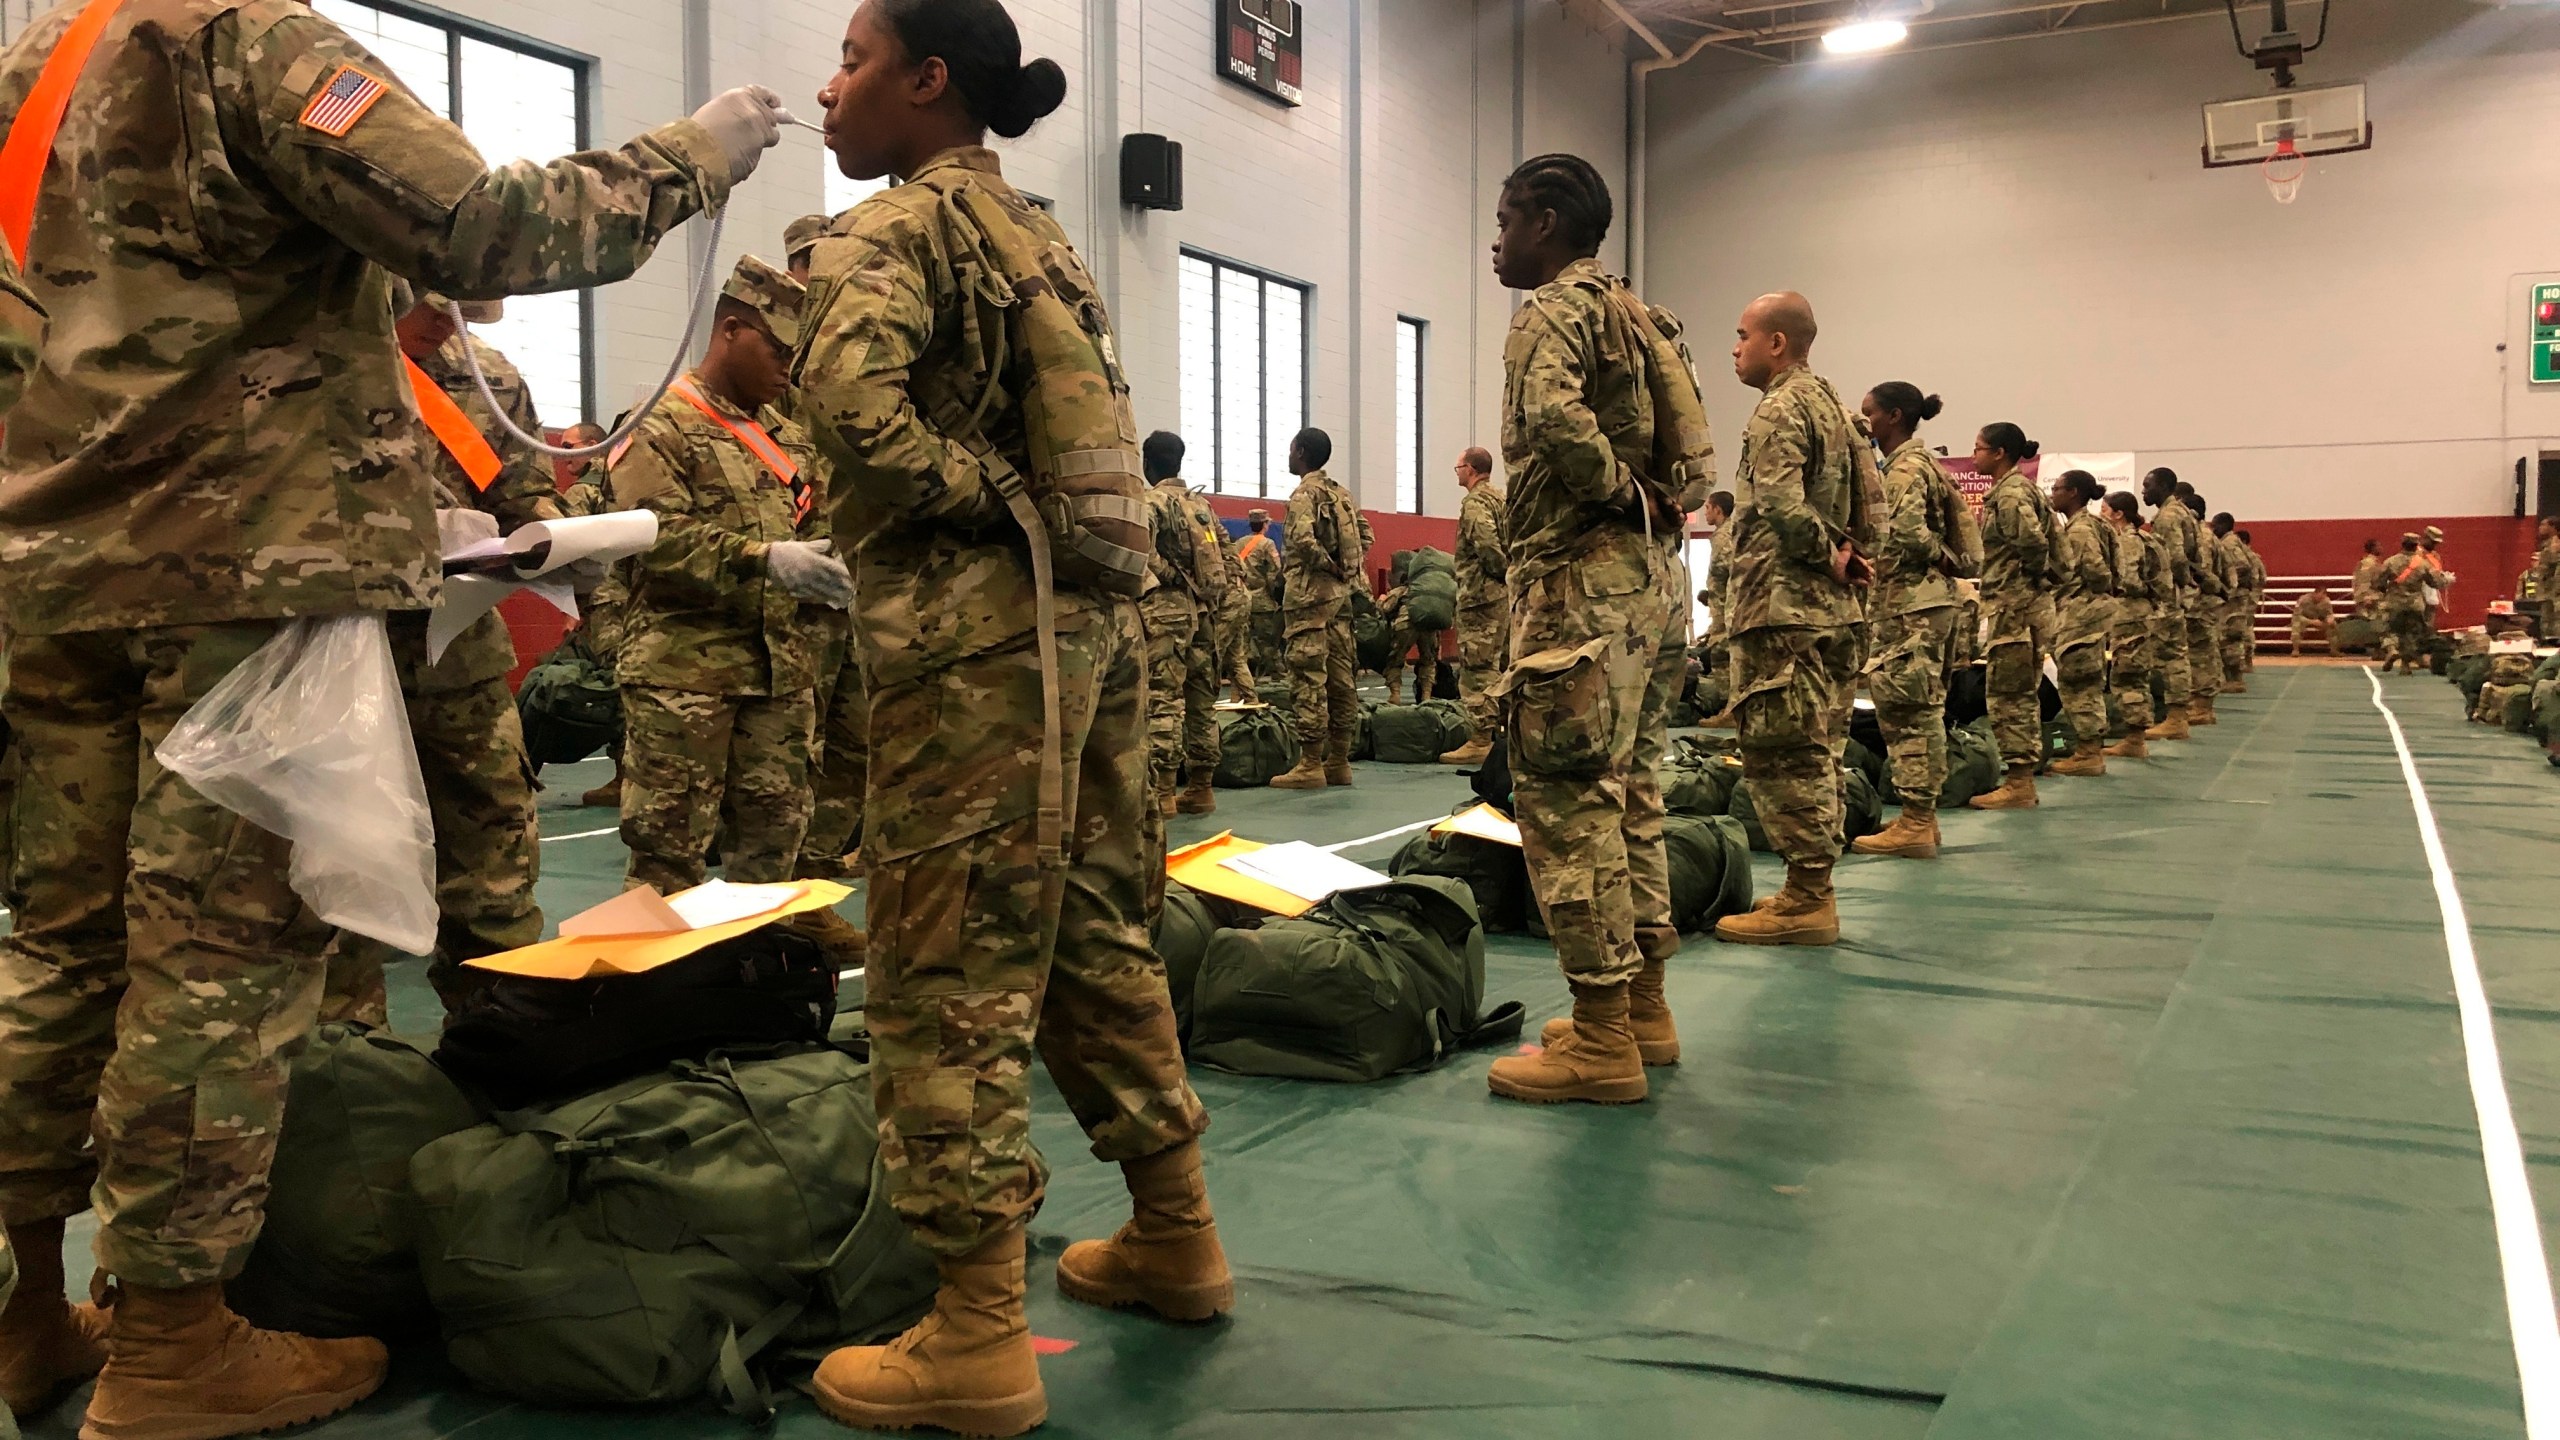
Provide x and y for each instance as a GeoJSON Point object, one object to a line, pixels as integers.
{"type": "Point", "coordinates": [1234, 626]}
{"type": "Point", "coordinates": [2084, 616]}
{"type": "Point", "coordinates": [2020, 552]}
{"type": "Point", "coordinates": [244, 451]}
{"type": "Point", "coordinates": [1326, 543]}
{"type": "Point", "coordinates": [2545, 576]}
{"type": "Point", "coordinates": [2257, 567]}
{"type": "Point", "coordinates": [1186, 589]}
{"type": "Point", "coordinates": [2143, 587]}
{"type": "Point", "coordinates": [977, 949]}
{"type": "Point", "coordinates": [1484, 606]}
{"type": "Point", "coordinates": [2405, 578]}
{"type": "Point", "coordinates": [2239, 608]}
{"type": "Point", "coordinates": [840, 760]}
{"type": "Point", "coordinates": [2204, 616]}
{"type": "Point", "coordinates": [1407, 639]}
{"type": "Point", "coordinates": [2173, 525]}
{"type": "Point", "coordinates": [2315, 617]}
{"type": "Point", "coordinates": [719, 685]}
{"type": "Point", "coordinates": [2366, 589]}
{"type": "Point", "coordinates": [1913, 619]}
{"type": "Point", "coordinates": [463, 718]}
{"type": "Point", "coordinates": [21, 330]}
{"type": "Point", "coordinates": [1264, 586]}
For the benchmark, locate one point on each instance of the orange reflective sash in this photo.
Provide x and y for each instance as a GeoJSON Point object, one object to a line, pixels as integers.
{"type": "Point", "coordinates": [1251, 543]}
{"type": "Point", "coordinates": [461, 439]}
{"type": "Point", "coordinates": [30, 145]}
{"type": "Point", "coordinates": [759, 444]}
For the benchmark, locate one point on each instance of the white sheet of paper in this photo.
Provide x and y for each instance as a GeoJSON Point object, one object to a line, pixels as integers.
{"type": "Point", "coordinates": [633, 912]}
{"type": "Point", "coordinates": [720, 902]}
{"type": "Point", "coordinates": [1303, 870]}
{"type": "Point", "coordinates": [617, 536]}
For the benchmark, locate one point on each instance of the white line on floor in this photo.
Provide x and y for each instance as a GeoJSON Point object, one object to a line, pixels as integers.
{"type": "Point", "coordinates": [2531, 1319]}
{"type": "Point", "coordinates": [584, 835]}
{"type": "Point", "coordinates": [1386, 834]}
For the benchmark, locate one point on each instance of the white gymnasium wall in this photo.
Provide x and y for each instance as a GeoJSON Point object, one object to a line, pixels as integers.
{"type": "Point", "coordinates": [2026, 228]}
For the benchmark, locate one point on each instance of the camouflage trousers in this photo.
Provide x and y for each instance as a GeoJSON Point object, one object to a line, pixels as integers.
{"type": "Point", "coordinates": [1585, 706]}
{"type": "Point", "coordinates": [488, 847]}
{"type": "Point", "coordinates": [979, 955]}
{"type": "Point", "coordinates": [2306, 630]}
{"type": "Point", "coordinates": [1323, 666]}
{"type": "Point", "coordinates": [8, 1287]}
{"type": "Point", "coordinates": [2021, 638]}
{"type": "Point", "coordinates": [2132, 664]}
{"type": "Point", "coordinates": [2238, 638]}
{"type": "Point", "coordinates": [841, 766]}
{"type": "Point", "coordinates": [1424, 646]}
{"type": "Point", "coordinates": [2204, 650]}
{"type": "Point", "coordinates": [2080, 665]}
{"type": "Point", "coordinates": [689, 761]}
{"type": "Point", "coordinates": [1182, 692]}
{"type": "Point", "coordinates": [1235, 641]}
{"type": "Point", "coordinates": [1484, 648]}
{"type": "Point", "coordinates": [1267, 643]}
{"type": "Point", "coordinates": [1796, 685]}
{"type": "Point", "coordinates": [162, 969]}
{"type": "Point", "coordinates": [1907, 676]}
{"type": "Point", "coordinates": [8, 820]}
{"type": "Point", "coordinates": [2169, 654]}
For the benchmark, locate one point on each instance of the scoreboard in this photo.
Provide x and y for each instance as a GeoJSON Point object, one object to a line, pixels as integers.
{"type": "Point", "coordinates": [1259, 44]}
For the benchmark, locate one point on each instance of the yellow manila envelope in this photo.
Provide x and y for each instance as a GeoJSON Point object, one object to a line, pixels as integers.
{"type": "Point", "coordinates": [640, 930]}
{"type": "Point", "coordinates": [1484, 823]}
{"type": "Point", "coordinates": [1203, 868]}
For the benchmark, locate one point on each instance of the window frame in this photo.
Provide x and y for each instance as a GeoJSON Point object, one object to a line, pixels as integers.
{"type": "Point", "coordinates": [1264, 279]}
{"type": "Point", "coordinates": [1417, 396]}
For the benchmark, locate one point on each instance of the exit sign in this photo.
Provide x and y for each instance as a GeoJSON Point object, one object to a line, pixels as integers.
{"type": "Point", "coordinates": [2546, 334]}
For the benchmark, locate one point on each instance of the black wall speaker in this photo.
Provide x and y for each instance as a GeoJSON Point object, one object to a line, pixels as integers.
{"type": "Point", "coordinates": [1150, 172]}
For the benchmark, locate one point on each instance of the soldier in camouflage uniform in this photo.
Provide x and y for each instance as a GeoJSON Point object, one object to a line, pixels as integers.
{"type": "Point", "coordinates": [1327, 543]}
{"type": "Point", "coordinates": [1799, 532]}
{"type": "Point", "coordinates": [174, 503]}
{"type": "Point", "coordinates": [1265, 586]}
{"type": "Point", "coordinates": [1596, 585]}
{"type": "Point", "coordinates": [2085, 614]}
{"type": "Point", "coordinates": [2021, 565]}
{"type": "Point", "coordinates": [26, 1379]}
{"type": "Point", "coordinates": [1715, 649]}
{"type": "Point", "coordinates": [2143, 588]}
{"type": "Point", "coordinates": [1913, 615]}
{"type": "Point", "coordinates": [2257, 601]}
{"type": "Point", "coordinates": [462, 716]}
{"type": "Point", "coordinates": [2365, 590]}
{"type": "Point", "coordinates": [840, 761]}
{"type": "Point", "coordinates": [1234, 627]}
{"type": "Point", "coordinates": [987, 943]}
{"type": "Point", "coordinates": [2405, 577]}
{"type": "Point", "coordinates": [1186, 588]}
{"type": "Point", "coordinates": [719, 685]}
{"type": "Point", "coordinates": [2204, 617]}
{"type": "Point", "coordinates": [2544, 578]}
{"type": "Point", "coordinates": [1484, 605]}
{"type": "Point", "coordinates": [2173, 525]}
{"type": "Point", "coordinates": [2239, 604]}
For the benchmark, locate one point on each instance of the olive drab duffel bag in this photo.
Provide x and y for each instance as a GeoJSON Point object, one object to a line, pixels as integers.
{"type": "Point", "coordinates": [1698, 776]}
{"type": "Point", "coordinates": [1431, 590]}
{"type": "Point", "coordinates": [1418, 734]}
{"type": "Point", "coordinates": [671, 1237]}
{"type": "Point", "coordinates": [1181, 934]}
{"type": "Point", "coordinates": [1496, 875]}
{"type": "Point", "coordinates": [1710, 862]}
{"type": "Point", "coordinates": [339, 1255]}
{"type": "Point", "coordinates": [1373, 982]}
{"type": "Point", "coordinates": [570, 706]}
{"type": "Point", "coordinates": [1256, 744]}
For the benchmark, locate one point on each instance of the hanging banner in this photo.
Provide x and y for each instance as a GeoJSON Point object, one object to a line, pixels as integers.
{"type": "Point", "coordinates": [1972, 484]}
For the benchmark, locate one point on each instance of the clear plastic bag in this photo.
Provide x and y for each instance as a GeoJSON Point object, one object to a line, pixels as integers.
{"type": "Point", "coordinates": [309, 739]}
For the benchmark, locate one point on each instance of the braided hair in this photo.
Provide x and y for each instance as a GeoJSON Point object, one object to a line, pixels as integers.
{"type": "Point", "coordinates": [1573, 189]}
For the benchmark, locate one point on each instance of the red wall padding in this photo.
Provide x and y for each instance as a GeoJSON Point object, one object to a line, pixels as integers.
{"type": "Point", "coordinates": [2485, 552]}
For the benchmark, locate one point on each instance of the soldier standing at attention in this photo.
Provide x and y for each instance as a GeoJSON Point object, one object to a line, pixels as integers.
{"type": "Point", "coordinates": [1804, 517]}
{"type": "Point", "coordinates": [719, 699]}
{"type": "Point", "coordinates": [1265, 584]}
{"type": "Point", "coordinates": [2367, 586]}
{"type": "Point", "coordinates": [2084, 615]}
{"type": "Point", "coordinates": [2257, 601]}
{"type": "Point", "coordinates": [1186, 588]}
{"type": "Point", "coordinates": [2546, 580]}
{"type": "Point", "coordinates": [1929, 544]}
{"type": "Point", "coordinates": [1011, 840]}
{"type": "Point", "coordinates": [1235, 617]}
{"type": "Point", "coordinates": [2204, 617]}
{"type": "Point", "coordinates": [462, 715]}
{"type": "Point", "coordinates": [1716, 649]}
{"type": "Point", "coordinates": [2405, 577]}
{"type": "Point", "coordinates": [2239, 608]}
{"type": "Point", "coordinates": [2174, 526]}
{"type": "Point", "coordinates": [2021, 566]}
{"type": "Point", "coordinates": [2143, 587]}
{"type": "Point", "coordinates": [1596, 584]}
{"type": "Point", "coordinates": [169, 508]}
{"type": "Point", "coordinates": [1484, 604]}
{"type": "Point", "coordinates": [1328, 542]}
{"type": "Point", "coordinates": [25, 1378]}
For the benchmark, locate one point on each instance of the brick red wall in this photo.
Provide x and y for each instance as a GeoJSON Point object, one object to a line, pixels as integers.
{"type": "Point", "coordinates": [2485, 553]}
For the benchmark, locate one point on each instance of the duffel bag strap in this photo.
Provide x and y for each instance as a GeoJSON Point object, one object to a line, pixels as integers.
{"type": "Point", "coordinates": [734, 1382]}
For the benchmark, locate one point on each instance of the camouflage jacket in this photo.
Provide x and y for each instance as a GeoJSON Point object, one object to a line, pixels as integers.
{"type": "Point", "coordinates": [2368, 581]}
{"type": "Point", "coordinates": [21, 331]}
{"type": "Point", "coordinates": [892, 364]}
{"type": "Point", "coordinates": [1261, 559]}
{"type": "Point", "coordinates": [2238, 581]}
{"type": "Point", "coordinates": [223, 430]}
{"type": "Point", "coordinates": [702, 616]}
{"type": "Point", "coordinates": [1187, 558]}
{"type": "Point", "coordinates": [1577, 423]}
{"type": "Point", "coordinates": [2257, 571]}
{"type": "Point", "coordinates": [2546, 584]}
{"type": "Point", "coordinates": [1909, 578]}
{"type": "Point", "coordinates": [2085, 601]}
{"type": "Point", "coordinates": [1482, 565]}
{"type": "Point", "coordinates": [1792, 492]}
{"type": "Point", "coordinates": [1324, 545]}
{"type": "Point", "coordinates": [2404, 579]}
{"type": "Point", "coordinates": [2176, 526]}
{"type": "Point", "coordinates": [522, 494]}
{"type": "Point", "coordinates": [2142, 573]}
{"type": "Point", "coordinates": [2018, 542]}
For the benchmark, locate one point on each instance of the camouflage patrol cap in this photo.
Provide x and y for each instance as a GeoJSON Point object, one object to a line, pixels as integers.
{"type": "Point", "coordinates": [2409, 537]}
{"type": "Point", "coordinates": [406, 297]}
{"type": "Point", "coordinates": [802, 234]}
{"type": "Point", "coordinates": [1258, 513]}
{"type": "Point", "coordinates": [2434, 536]}
{"type": "Point", "coordinates": [771, 294]}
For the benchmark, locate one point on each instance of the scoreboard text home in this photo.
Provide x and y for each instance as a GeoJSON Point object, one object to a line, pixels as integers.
{"type": "Point", "coordinates": [1259, 45]}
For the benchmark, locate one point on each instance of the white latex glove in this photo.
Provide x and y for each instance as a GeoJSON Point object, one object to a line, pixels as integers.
{"type": "Point", "coordinates": [458, 529]}
{"type": "Point", "coordinates": [747, 122]}
{"type": "Point", "coordinates": [808, 570]}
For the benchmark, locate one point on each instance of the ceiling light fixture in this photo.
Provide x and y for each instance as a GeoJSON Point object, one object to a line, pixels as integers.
{"type": "Point", "coordinates": [1864, 37]}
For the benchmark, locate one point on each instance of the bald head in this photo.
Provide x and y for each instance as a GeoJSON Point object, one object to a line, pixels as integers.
{"type": "Point", "coordinates": [1775, 335]}
{"type": "Point", "coordinates": [1788, 314]}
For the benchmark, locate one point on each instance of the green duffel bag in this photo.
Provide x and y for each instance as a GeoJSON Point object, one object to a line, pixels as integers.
{"type": "Point", "coordinates": [2516, 709]}
{"type": "Point", "coordinates": [1699, 782]}
{"type": "Point", "coordinates": [1256, 747]}
{"type": "Point", "coordinates": [339, 1255]}
{"type": "Point", "coordinates": [1496, 875]}
{"type": "Point", "coordinates": [1379, 981]}
{"type": "Point", "coordinates": [1431, 590]}
{"type": "Point", "coordinates": [1861, 810]}
{"type": "Point", "coordinates": [1181, 936]}
{"type": "Point", "coordinates": [1364, 735]}
{"type": "Point", "coordinates": [2468, 673]}
{"type": "Point", "coordinates": [2546, 710]}
{"type": "Point", "coordinates": [1973, 764]}
{"type": "Point", "coordinates": [570, 706]}
{"type": "Point", "coordinates": [1374, 640]}
{"type": "Point", "coordinates": [670, 1237]}
{"type": "Point", "coordinates": [1279, 694]}
{"type": "Point", "coordinates": [2357, 634]}
{"type": "Point", "coordinates": [1856, 756]}
{"type": "Point", "coordinates": [1710, 870]}
{"type": "Point", "coordinates": [1418, 734]}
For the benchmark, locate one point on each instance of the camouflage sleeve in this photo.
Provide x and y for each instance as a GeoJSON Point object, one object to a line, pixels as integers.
{"type": "Point", "coordinates": [22, 326]}
{"type": "Point", "coordinates": [695, 562]}
{"type": "Point", "coordinates": [1909, 542]}
{"type": "Point", "coordinates": [2182, 570]}
{"type": "Point", "coordinates": [1479, 538]}
{"type": "Point", "coordinates": [2208, 562]}
{"type": "Point", "coordinates": [403, 187]}
{"type": "Point", "coordinates": [891, 464]}
{"type": "Point", "coordinates": [1357, 538]}
{"type": "Point", "coordinates": [2088, 557]}
{"type": "Point", "coordinates": [584, 498]}
{"type": "Point", "coordinates": [1781, 465]}
{"type": "Point", "coordinates": [1555, 409]}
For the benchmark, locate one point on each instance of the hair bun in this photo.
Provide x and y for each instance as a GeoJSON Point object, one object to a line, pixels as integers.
{"type": "Point", "coordinates": [1038, 89]}
{"type": "Point", "coordinates": [2032, 451]}
{"type": "Point", "coordinates": [1930, 407]}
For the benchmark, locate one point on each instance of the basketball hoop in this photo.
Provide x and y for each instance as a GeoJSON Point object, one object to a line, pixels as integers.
{"type": "Point", "coordinates": [2284, 171]}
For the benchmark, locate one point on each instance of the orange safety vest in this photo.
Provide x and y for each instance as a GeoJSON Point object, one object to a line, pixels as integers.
{"type": "Point", "coordinates": [759, 443]}
{"type": "Point", "coordinates": [1245, 551]}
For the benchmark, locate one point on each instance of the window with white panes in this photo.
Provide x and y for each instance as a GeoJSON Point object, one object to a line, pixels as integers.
{"type": "Point", "coordinates": [1410, 333]}
{"type": "Point", "coordinates": [517, 102]}
{"type": "Point", "coordinates": [1244, 376]}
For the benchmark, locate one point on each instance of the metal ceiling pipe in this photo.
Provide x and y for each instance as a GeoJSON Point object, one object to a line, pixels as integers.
{"type": "Point", "coordinates": [1639, 86]}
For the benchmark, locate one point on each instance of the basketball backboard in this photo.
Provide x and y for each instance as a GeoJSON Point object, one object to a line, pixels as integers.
{"type": "Point", "coordinates": [2318, 120]}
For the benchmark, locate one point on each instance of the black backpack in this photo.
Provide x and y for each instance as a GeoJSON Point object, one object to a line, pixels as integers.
{"type": "Point", "coordinates": [524, 1041]}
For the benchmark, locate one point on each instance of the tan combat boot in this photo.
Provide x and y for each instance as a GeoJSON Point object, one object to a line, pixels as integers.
{"type": "Point", "coordinates": [1309, 775]}
{"type": "Point", "coordinates": [2087, 760]}
{"type": "Point", "coordinates": [607, 796]}
{"type": "Point", "coordinates": [1723, 719]}
{"type": "Point", "coordinates": [48, 1346]}
{"type": "Point", "coordinates": [181, 1366]}
{"type": "Point", "coordinates": [2200, 712]}
{"type": "Point", "coordinates": [1803, 912]}
{"type": "Point", "coordinates": [1648, 1019]}
{"type": "Point", "coordinates": [2235, 686]}
{"type": "Point", "coordinates": [1167, 1258]}
{"type": "Point", "coordinates": [1597, 1062]}
{"type": "Point", "coordinates": [1913, 835]}
{"type": "Point", "coordinates": [846, 943]}
{"type": "Point", "coordinates": [968, 1367]}
{"type": "Point", "coordinates": [1337, 767]}
{"type": "Point", "coordinates": [1474, 752]}
{"type": "Point", "coordinates": [1168, 801]}
{"type": "Point", "coordinates": [1200, 797]}
{"type": "Point", "coordinates": [2017, 791]}
{"type": "Point", "coordinates": [2132, 747]}
{"type": "Point", "coordinates": [2173, 728]}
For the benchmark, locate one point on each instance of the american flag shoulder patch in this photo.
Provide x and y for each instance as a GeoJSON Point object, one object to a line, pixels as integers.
{"type": "Point", "coordinates": [337, 106]}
